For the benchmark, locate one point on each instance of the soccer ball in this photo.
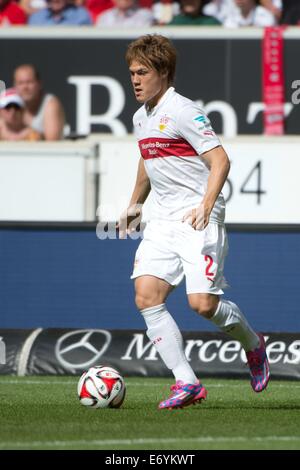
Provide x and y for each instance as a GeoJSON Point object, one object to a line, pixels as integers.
{"type": "Point", "coordinates": [101, 387]}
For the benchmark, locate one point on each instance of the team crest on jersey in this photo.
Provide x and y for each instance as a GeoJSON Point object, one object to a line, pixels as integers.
{"type": "Point", "coordinates": [163, 122]}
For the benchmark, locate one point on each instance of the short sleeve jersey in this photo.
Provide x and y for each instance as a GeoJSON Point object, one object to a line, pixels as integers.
{"type": "Point", "coordinates": [172, 137]}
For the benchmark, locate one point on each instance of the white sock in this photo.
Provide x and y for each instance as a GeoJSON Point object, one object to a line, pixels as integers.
{"type": "Point", "coordinates": [230, 319]}
{"type": "Point", "coordinates": [167, 339]}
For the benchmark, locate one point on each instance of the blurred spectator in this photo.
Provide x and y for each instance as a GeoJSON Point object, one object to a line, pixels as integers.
{"type": "Point", "coordinates": [145, 3]}
{"type": "Point", "coordinates": [43, 112]}
{"type": "Point", "coordinates": [220, 9]}
{"type": "Point", "coordinates": [96, 7]}
{"type": "Point", "coordinates": [274, 6]}
{"type": "Point", "coordinates": [289, 12]}
{"type": "Point", "coordinates": [60, 12]}
{"type": "Point", "coordinates": [12, 125]}
{"type": "Point", "coordinates": [249, 14]}
{"type": "Point", "coordinates": [164, 11]}
{"type": "Point", "coordinates": [11, 13]}
{"type": "Point", "coordinates": [31, 6]}
{"type": "Point", "coordinates": [192, 15]}
{"type": "Point", "coordinates": [126, 13]}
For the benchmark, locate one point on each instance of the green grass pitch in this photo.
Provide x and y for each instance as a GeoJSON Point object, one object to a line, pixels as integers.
{"type": "Point", "coordinates": [45, 413]}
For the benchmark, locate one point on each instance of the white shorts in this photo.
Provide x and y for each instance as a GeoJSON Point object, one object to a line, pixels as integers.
{"type": "Point", "coordinates": [172, 250]}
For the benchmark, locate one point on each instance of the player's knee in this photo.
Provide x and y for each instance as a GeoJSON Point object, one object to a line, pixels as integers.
{"type": "Point", "coordinates": [204, 305]}
{"type": "Point", "coordinates": [146, 301]}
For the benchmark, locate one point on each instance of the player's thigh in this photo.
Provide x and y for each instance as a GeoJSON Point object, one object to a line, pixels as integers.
{"type": "Point", "coordinates": [157, 266]}
{"type": "Point", "coordinates": [203, 261]}
{"type": "Point", "coordinates": [151, 291]}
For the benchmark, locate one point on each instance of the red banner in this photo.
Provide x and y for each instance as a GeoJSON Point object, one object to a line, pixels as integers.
{"type": "Point", "coordinates": [273, 81]}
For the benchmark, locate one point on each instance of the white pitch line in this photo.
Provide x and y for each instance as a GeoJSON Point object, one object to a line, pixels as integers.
{"type": "Point", "coordinates": [108, 442]}
{"type": "Point", "coordinates": [37, 382]}
{"type": "Point", "coordinates": [130, 384]}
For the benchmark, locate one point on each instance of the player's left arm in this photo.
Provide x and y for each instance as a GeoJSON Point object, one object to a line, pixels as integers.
{"type": "Point", "coordinates": [218, 162]}
{"type": "Point", "coordinates": [219, 165]}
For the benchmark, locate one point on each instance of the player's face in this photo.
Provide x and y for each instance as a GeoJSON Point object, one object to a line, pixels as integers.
{"type": "Point", "coordinates": [148, 84]}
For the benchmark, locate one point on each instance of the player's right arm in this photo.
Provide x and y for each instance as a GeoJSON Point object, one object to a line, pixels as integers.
{"type": "Point", "coordinates": [140, 193]}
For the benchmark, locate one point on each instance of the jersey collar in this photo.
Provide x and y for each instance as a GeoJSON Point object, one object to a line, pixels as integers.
{"type": "Point", "coordinates": [170, 91]}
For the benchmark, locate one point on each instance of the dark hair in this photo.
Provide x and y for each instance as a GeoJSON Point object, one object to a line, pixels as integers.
{"type": "Point", "coordinates": [155, 51]}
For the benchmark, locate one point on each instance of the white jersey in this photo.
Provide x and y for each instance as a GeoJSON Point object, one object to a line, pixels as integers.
{"type": "Point", "coordinates": [220, 9]}
{"type": "Point", "coordinates": [258, 16]}
{"type": "Point", "coordinates": [172, 137]}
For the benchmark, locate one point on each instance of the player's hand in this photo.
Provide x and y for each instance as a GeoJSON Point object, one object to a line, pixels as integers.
{"type": "Point", "coordinates": [129, 220]}
{"type": "Point", "coordinates": [198, 217]}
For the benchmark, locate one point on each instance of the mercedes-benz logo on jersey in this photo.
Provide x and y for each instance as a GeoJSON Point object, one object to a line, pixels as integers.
{"type": "Point", "coordinates": [82, 348]}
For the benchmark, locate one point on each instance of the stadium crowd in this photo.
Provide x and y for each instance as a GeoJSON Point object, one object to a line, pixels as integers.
{"type": "Point", "coordinates": [143, 13]}
{"type": "Point", "coordinates": [27, 112]}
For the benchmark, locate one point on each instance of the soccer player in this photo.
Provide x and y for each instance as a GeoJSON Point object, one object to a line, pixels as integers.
{"type": "Point", "coordinates": [185, 166]}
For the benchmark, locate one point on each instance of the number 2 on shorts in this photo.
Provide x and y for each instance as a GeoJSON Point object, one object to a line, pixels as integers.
{"type": "Point", "coordinates": [209, 261]}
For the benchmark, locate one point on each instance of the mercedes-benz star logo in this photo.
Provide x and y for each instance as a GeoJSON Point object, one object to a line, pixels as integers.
{"type": "Point", "coordinates": [81, 349]}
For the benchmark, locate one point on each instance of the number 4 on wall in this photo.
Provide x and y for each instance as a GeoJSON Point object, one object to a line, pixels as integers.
{"type": "Point", "coordinates": [255, 172]}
